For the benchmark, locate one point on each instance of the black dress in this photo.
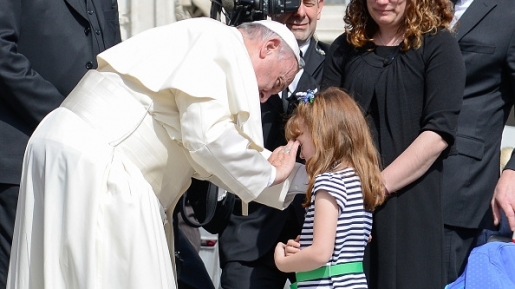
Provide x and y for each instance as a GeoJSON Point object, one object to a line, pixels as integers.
{"type": "Point", "coordinates": [402, 95]}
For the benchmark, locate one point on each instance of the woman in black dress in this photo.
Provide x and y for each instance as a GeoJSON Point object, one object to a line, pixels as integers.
{"type": "Point", "coordinates": [398, 59]}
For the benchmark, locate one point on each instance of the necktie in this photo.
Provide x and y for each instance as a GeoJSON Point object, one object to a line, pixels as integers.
{"type": "Point", "coordinates": [285, 98]}
{"type": "Point", "coordinates": [289, 100]}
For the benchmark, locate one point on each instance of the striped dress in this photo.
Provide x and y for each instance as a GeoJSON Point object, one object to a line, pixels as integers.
{"type": "Point", "coordinates": [353, 227]}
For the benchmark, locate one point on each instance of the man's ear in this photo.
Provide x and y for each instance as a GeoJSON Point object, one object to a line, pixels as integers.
{"type": "Point", "coordinates": [320, 6]}
{"type": "Point", "coordinates": [269, 47]}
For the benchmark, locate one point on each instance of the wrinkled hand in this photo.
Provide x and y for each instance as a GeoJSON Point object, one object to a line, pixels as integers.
{"type": "Point", "coordinates": [504, 198]}
{"type": "Point", "coordinates": [283, 159]}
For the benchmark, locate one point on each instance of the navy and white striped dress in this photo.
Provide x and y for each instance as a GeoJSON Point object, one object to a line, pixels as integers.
{"type": "Point", "coordinates": [353, 227]}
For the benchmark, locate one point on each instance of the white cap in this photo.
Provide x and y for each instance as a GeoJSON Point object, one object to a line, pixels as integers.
{"type": "Point", "coordinates": [285, 34]}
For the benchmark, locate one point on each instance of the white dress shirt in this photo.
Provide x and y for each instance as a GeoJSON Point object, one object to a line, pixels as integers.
{"type": "Point", "coordinates": [460, 8]}
{"type": "Point", "coordinates": [293, 84]}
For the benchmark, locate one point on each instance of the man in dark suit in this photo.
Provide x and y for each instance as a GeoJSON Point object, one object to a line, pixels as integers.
{"type": "Point", "coordinates": [45, 49]}
{"type": "Point", "coordinates": [486, 33]}
{"type": "Point", "coordinates": [247, 244]}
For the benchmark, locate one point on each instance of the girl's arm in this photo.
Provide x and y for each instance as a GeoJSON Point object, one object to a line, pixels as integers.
{"type": "Point", "coordinates": [324, 234]}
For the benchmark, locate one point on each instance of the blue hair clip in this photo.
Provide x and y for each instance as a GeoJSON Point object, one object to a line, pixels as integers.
{"type": "Point", "coordinates": [308, 96]}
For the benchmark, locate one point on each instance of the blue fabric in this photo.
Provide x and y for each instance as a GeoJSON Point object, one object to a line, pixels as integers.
{"type": "Point", "coordinates": [504, 231]}
{"type": "Point", "coordinates": [490, 266]}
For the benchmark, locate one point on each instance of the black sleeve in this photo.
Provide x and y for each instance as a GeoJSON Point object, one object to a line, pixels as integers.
{"type": "Point", "coordinates": [444, 84]}
{"type": "Point", "coordinates": [19, 83]}
{"type": "Point", "coordinates": [334, 62]}
{"type": "Point", "coordinates": [510, 64]}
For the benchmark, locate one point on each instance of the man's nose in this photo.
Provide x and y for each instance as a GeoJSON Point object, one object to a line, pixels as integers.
{"type": "Point", "coordinates": [301, 11]}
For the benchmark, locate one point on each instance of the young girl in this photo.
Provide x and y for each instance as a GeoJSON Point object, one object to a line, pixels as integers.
{"type": "Point", "coordinates": [344, 187]}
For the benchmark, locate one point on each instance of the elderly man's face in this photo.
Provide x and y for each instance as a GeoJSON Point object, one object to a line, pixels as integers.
{"type": "Point", "coordinates": [274, 75]}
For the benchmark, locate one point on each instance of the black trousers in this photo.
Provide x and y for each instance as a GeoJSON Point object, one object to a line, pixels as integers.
{"type": "Point", "coordinates": [191, 270]}
{"type": "Point", "coordinates": [8, 202]}
{"type": "Point", "coordinates": [459, 242]}
{"type": "Point", "coordinates": [259, 274]}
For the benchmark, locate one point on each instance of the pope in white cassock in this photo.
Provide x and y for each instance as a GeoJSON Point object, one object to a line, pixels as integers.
{"type": "Point", "coordinates": [103, 172]}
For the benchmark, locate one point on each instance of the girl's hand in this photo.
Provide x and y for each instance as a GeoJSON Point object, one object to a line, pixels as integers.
{"type": "Point", "coordinates": [279, 254]}
{"type": "Point", "coordinates": [292, 247]}
{"type": "Point", "coordinates": [282, 251]}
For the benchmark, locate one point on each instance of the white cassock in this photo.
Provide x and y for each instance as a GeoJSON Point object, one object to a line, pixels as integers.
{"type": "Point", "coordinates": [103, 172]}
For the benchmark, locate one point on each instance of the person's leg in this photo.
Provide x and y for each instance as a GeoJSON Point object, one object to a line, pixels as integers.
{"type": "Point", "coordinates": [253, 275]}
{"type": "Point", "coordinates": [459, 242]}
{"type": "Point", "coordinates": [193, 273]}
{"type": "Point", "coordinates": [191, 233]}
{"type": "Point", "coordinates": [8, 201]}
{"type": "Point", "coordinates": [235, 275]}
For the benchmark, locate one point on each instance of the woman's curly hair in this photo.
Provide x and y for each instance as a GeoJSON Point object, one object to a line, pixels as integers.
{"type": "Point", "coordinates": [420, 17]}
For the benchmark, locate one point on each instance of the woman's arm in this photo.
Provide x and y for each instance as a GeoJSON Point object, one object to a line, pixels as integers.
{"type": "Point", "coordinates": [442, 103]}
{"type": "Point", "coordinates": [414, 161]}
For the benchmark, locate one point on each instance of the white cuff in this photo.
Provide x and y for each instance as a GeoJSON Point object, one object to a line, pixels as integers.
{"type": "Point", "coordinates": [299, 183]}
{"type": "Point", "coordinates": [272, 176]}
{"type": "Point", "coordinates": [221, 194]}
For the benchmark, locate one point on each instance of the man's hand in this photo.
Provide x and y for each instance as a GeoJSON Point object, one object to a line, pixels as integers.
{"type": "Point", "coordinates": [283, 159]}
{"type": "Point", "coordinates": [504, 198]}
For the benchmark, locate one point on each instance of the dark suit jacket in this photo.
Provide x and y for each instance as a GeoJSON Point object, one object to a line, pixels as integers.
{"type": "Point", "coordinates": [247, 238]}
{"type": "Point", "coordinates": [486, 35]}
{"type": "Point", "coordinates": [45, 49]}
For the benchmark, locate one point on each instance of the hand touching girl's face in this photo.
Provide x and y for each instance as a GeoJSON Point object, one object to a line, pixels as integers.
{"type": "Point", "coordinates": [307, 147]}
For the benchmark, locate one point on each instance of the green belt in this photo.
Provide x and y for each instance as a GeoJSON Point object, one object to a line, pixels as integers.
{"type": "Point", "coordinates": [328, 271]}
